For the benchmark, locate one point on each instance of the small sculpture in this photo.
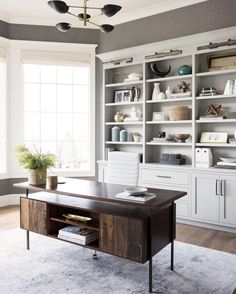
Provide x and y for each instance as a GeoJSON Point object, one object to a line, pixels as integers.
{"type": "Point", "coordinates": [213, 110]}
{"type": "Point", "coordinates": [157, 72]}
{"type": "Point", "coordinates": [119, 117]}
{"type": "Point", "coordinates": [184, 87]}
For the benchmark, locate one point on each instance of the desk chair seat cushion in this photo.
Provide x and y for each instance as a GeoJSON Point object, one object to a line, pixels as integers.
{"type": "Point", "coordinates": [123, 168]}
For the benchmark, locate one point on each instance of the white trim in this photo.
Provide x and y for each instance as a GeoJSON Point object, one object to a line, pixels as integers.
{"type": "Point", "coordinates": [10, 199]}
{"type": "Point", "coordinates": [205, 225]}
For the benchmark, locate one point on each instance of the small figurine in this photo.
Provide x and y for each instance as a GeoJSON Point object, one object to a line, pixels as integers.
{"type": "Point", "coordinates": [184, 87]}
{"type": "Point", "coordinates": [214, 110]}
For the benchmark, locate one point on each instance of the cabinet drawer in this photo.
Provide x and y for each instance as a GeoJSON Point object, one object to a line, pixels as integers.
{"type": "Point", "coordinates": [164, 177]}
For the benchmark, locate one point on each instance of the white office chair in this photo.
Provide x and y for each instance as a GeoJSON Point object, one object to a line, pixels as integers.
{"type": "Point", "coordinates": [123, 168]}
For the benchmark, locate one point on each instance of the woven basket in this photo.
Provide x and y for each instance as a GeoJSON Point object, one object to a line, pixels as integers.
{"type": "Point", "coordinates": [178, 113]}
{"type": "Point", "coordinates": [37, 177]}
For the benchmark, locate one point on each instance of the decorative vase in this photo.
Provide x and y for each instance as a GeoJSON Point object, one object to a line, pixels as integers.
{"type": "Point", "coordinates": [123, 136]}
{"type": "Point", "coordinates": [185, 70]}
{"type": "Point", "coordinates": [119, 117]}
{"type": "Point", "coordinates": [161, 96]}
{"type": "Point", "coordinates": [115, 134]}
{"type": "Point", "coordinates": [156, 91]}
{"type": "Point", "coordinates": [137, 137]}
{"type": "Point", "coordinates": [37, 177]}
{"type": "Point", "coordinates": [168, 93]}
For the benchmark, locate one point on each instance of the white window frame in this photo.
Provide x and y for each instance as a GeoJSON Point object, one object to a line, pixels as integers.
{"type": "Point", "coordinates": [17, 98]}
{"type": "Point", "coordinates": [3, 114]}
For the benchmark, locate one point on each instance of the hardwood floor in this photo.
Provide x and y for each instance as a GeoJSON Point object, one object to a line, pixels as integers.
{"type": "Point", "coordinates": [218, 240]}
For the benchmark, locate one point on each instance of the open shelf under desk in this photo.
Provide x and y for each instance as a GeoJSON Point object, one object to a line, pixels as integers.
{"type": "Point", "coordinates": [92, 225]}
{"type": "Point", "coordinates": [93, 245]}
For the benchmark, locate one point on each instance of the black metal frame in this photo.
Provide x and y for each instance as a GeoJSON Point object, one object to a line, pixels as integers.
{"type": "Point", "coordinates": [173, 235]}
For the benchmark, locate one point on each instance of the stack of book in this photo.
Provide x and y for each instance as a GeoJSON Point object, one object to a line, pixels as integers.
{"type": "Point", "coordinates": [139, 198]}
{"type": "Point", "coordinates": [78, 235]}
{"type": "Point", "coordinates": [211, 91]}
{"type": "Point", "coordinates": [212, 117]}
{"type": "Point", "coordinates": [173, 159]}
{"type": "Point", "coordinates": [181, 95]}
{"type": "Point", "coordinates": [222, 164]}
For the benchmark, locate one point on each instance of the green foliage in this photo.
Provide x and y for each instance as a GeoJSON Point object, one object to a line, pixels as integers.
{"type": "Point", "coordinates": [34, 160]}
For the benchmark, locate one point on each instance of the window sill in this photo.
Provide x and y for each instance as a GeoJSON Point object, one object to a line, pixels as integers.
{"type": "Point", "coordinates": [60, 173]}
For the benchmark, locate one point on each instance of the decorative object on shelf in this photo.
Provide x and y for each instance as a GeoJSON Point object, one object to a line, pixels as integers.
{"type": "Point", "coordinates": [119, 117]}
{"type": "Point", "coordinates": [134, 77]}
{"type": "Point", "coordinates": [115, 134]}
{"type": "Point", "coordinates": [230, 87]}
{"type": "Point", "coordinates": [117, 77]}
{"type": "Point", "coordinates": [222, 62]}
{"type": "Point", "coordinates": [135, 94]}
{"type": "Point", "coordinates": [36, 163]}
{"type": "Point", "coordinates": [211, 45]}
{"type": "Point", "coordinates": [52, 182]}
{"type": "Point", "coordinates": [181, 137]}
{"type": "Point", "coordinates": [185, 70]}
{"type": "Point", "coordinates": [232, 141]}
{"type": "Point", "coordinates": [75, 217]}
{"type": "Point", "coordinates": [214, 137]}
{"type": "Point", "coordinates": [161, 96]}
{"type": "Point", "coordinates": [228, 159]}
{"type": "Point", "coordinates": [123, 136]}
{"type": "Point", "coordinates": [108, 10]}
{"type": "Point", "coordinates": [213, 112]}
{"type": "Point", "coordinates": [184, 87]}
{"type": "Point", "coordinates": [204, 157]}
{"type": "Point", "coordinates": [157, 72]}
{"type": "Point", "coordinates": [158, 116]}
{"type": "Point", "coordinates": [168, 93]}
{"type": "Point", "coordinates": [137, 137]}
{"type": "Point", "coordinates": [210, 91]}
{"type": "Point", "coordinates": [124, 95]}
{"type": "Point", "coordinates": [156, 91]}
{"type": "Point", "coordinates": [164, 54]}
{"type": "Point", "coordinates": [135, 191]}
{"type": "Point", "coordinates": [178, 113]}
{"type": "Point", "coordinates": [172, 159]}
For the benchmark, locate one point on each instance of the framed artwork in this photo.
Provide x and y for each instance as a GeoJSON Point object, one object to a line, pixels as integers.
{"type": "Point", "coordinates": [124, 95]}
{"type": "Point", "coordinates": [214, 137]}
{"type": "Point", "coordinates": [158, 116]}
{"type": "Point", "coordinates": [222, 61]}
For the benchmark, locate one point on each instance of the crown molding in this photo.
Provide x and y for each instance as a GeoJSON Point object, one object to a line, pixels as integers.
{"type": "Point", "coordinates": [189, 43]}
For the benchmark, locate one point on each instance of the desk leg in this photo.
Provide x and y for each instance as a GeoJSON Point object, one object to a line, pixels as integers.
{"type": "Point", "coordinates": [27, 232]}
{"type": "Point", "coordinates": [173, 210]}
{"type": "Point", "coordinates": [150, 275]}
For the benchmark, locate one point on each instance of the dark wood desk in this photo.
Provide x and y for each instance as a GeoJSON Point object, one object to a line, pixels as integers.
{"type": "Point", "coordinates": [129, 230]}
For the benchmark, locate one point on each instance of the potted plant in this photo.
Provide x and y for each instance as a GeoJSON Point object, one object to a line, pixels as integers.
{"type": "Point", "coordinates": [36, 163]}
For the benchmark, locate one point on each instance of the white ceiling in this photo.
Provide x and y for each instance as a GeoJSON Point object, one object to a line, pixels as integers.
{"type": "Point", "coordinates": [38, 12]}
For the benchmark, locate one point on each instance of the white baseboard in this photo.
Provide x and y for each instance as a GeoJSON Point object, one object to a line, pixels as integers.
{"type": "Point", "coordinates": [11, 199]}
{"type": "Point", "coordinates": [206, 225]}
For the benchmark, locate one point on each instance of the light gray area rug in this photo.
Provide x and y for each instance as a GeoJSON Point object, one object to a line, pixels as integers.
{"type": "Point", "coordinates": [53, 266]}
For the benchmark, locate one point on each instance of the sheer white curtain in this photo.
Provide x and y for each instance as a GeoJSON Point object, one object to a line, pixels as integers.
{"type": "Point", "coordinates": [2, 110]}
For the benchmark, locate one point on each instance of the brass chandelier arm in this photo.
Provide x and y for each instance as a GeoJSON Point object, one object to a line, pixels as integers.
{"type": "Point", "coordinates": [93, 23]}
{"type": "Point", "coordinates": [72, 6]}
{"type": "Point", "coordinates": [72, 14]}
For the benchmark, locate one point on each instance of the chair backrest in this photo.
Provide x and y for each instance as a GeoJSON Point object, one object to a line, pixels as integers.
{"type": "Point", "coordinates": [123, 168]}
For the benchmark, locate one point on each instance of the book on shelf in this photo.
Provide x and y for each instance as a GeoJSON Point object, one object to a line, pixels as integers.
{"type": "Point", "coordinates": [229, 165]}
{"type": "Point", "coordinates": [129, 119]}
{"type": "Point", "coordinates": [181, 95]}
{"type": "Point", "coordinates": [78, 235]}
{"type": "Point", "coordinates": [212, 117]}
{"type": "Point", "coordinates": [141, 198]}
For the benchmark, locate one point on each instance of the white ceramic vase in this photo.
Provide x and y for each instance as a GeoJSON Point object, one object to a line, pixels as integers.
{"type": "Point", "coordinates": [168, 93]}
{"type": "Point", "coordinates": [156, 91]}
{"type": "Point", "coordinates": [161, 96]}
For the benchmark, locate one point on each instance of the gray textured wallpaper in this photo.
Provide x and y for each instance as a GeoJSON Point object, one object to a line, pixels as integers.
{"type": "Point", "coordinates": [206, 16]}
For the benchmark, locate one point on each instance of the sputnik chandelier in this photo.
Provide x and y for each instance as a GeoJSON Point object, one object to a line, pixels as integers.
{"type": "Point", "coordinates": [107, 10]}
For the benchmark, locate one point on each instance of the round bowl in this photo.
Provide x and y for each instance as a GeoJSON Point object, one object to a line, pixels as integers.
{"type": "Point", "coordinates": [181, 137]}
{"type": "Point", "coordinates": [228, 159]}
{"type": "Point", "coordinates": [135, 191]}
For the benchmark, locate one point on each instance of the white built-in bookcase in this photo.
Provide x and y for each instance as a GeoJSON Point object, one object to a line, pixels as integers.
{"type": "Point", "coordinates": [199, 78]}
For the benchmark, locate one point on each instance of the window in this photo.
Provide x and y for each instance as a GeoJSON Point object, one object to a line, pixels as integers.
{"type": "Point", "coordinates": [57, 113]}
{"type": "Point", "coordinates": [2, 117]}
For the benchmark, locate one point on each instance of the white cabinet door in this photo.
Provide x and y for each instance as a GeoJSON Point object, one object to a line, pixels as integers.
{"type": "Point", "coordinates": [228, 200]}
{"type": "Point", "coordinates": [205, 197]}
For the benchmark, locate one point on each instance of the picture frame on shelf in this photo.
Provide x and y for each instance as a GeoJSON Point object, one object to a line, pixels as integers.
{"type": "Point", "coordinates": [222, 61]}
{"type": "Point", "coordinates": [214, 137]}
{"type": "Point", "coordinates": [124, 95]}
{"type": "Point", "coordinates": [158, 116]}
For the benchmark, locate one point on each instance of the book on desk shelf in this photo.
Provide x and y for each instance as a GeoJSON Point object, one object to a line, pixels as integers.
{"type": "Point", "coordinates": [78, 235]}
{"type": "Point", "coordinates": [141, 198]}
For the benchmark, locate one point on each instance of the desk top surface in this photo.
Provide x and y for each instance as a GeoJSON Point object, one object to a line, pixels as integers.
{"type": "Point", "coordinates": [103, 192]}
